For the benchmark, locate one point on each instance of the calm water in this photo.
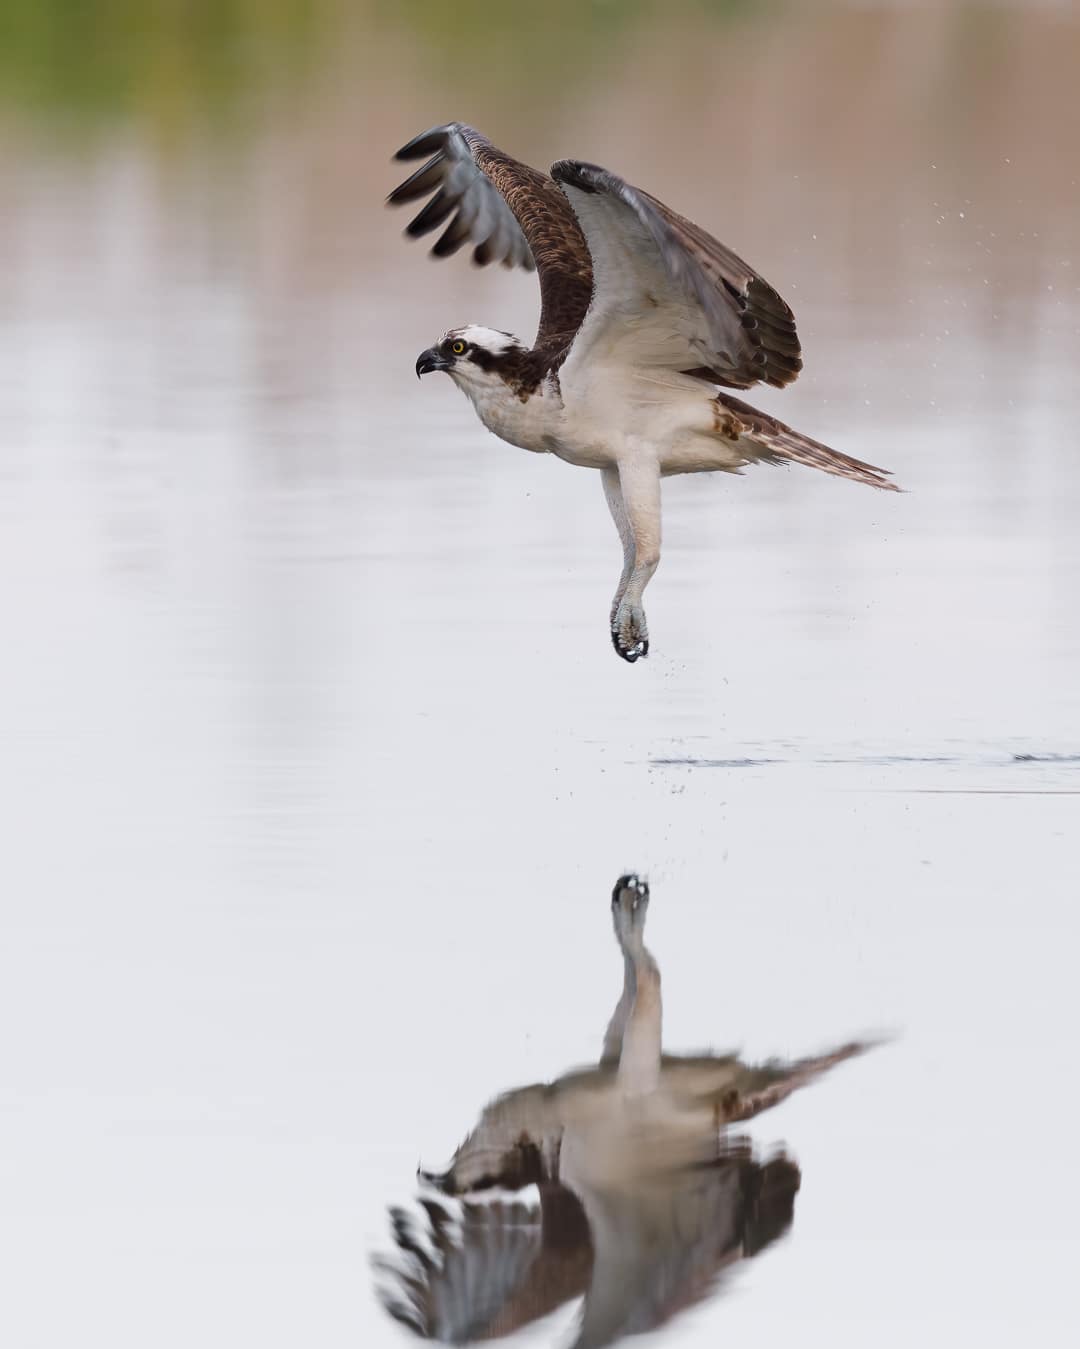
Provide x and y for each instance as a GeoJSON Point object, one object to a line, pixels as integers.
{"type": "Point", "coordinates": [317, 763]}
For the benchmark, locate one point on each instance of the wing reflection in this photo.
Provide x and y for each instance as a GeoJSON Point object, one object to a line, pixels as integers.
{"type": "Point", "coordinates": [644, 1197]}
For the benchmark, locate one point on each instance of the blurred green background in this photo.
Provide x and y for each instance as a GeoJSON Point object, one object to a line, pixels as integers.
{"type": "Point", "coordinates": [899, 168]}
{"type": "Point", "coordinates": [85, 64]}
{"type": "Point", "coordinates": [82, 64]}
{"type": "Point", "coordinates": [178, 66]}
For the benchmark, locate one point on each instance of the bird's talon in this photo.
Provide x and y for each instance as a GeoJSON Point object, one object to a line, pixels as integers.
{"type": "Point", "coordinates": [629, 635]}
{"type": "Point", "coordinates": [629, 902]}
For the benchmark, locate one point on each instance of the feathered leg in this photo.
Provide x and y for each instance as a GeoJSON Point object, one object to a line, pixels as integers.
{"type": "Point", "coordinates": [639, 1059]}
{"type": "Point", "coordinates": [632, 490]}
{"type": "Point", "coordinates": [613, 1037]}
{"type": "Point", "coordinates": [613, 496]}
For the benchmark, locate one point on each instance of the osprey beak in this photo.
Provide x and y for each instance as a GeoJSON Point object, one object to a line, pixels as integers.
{"type": "Point", "coordinates": [431, 360]}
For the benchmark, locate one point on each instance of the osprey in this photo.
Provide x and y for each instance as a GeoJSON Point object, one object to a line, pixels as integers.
{"type": "Point", "coordinates": [645, 321]}
{"type": "Point", "coordinates": [646, 1196]}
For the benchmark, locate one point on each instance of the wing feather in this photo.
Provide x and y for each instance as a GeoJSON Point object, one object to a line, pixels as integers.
{"type": "Point", "coordinates": [717, 317]}
{"type": "Point", "coordinates": [438, 209]}
{"type": "Point", "coordinates": [664, 1241]}
{"type": "Point", "coordinates": [510, 213]}
{"type": "Point", "coordinates": [419, 184]}
{"type": "Point", "coordinates": [485, 1270]}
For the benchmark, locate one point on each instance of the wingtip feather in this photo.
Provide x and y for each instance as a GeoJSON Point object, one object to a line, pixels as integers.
{"type": "Point", "coordinates": [427, 143]}
{"type": "Point", "coordinates": [424, 180]}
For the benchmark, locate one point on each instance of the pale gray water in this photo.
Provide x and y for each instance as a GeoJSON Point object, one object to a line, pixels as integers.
{"type": "Point", "coordinates": [318, 766]}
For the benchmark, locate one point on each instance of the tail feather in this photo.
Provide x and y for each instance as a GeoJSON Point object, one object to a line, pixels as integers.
{"type": "Point", "coordinates": [777, 443]}
{"type": "Point", "coordinates": [772, 1083]}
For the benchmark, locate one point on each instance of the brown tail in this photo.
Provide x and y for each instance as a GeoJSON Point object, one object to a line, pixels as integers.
{"type": "Point", "coordinates": [772, 1083]}
{"type": "Point", "coordinates": [776, 442]}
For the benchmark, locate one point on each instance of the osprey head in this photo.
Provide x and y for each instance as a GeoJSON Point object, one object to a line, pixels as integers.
{"type": "Point", "coordinates": [473, 355]}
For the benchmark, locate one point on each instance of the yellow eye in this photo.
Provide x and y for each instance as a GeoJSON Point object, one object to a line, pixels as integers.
{"type": "Point", "coordinates": [458, 348]}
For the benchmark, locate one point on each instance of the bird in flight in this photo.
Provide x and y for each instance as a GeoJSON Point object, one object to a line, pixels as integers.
{"type": "Point", "coordinates": [645, 1197]}
{"type": "Point", "coordinates": [645, 322]}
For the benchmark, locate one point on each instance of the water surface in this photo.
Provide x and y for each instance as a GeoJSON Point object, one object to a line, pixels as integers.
{"type": "Point", "coordinates": [317, 763]}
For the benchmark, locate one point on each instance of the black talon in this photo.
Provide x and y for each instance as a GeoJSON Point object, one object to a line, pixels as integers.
{"type": "Point", "coordinates": [627, 882]}
{"type": "Point", "coordinates": [638, 888]}
{"type": "Point", "coordinates": [636, 652]}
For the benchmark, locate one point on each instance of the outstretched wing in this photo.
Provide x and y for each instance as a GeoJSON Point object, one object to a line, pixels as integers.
{"type": "Point", "coordinates": [485, 1270]}
{"type": "Point", "coordinates": [515, 1143]}
{"type": "Point", "coordinates": [509, 212]}
{"type": "Point", "coordinates": [674, 295]}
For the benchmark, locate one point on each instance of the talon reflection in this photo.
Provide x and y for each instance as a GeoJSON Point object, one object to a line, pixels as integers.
{"type": "Point", "coordinates": [644, 1197]}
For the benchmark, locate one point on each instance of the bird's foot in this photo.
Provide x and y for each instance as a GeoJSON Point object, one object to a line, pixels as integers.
{"type": "Point", "coordinates": [630, 632]}
{"type": "Point", "coordinates": [629, 903]}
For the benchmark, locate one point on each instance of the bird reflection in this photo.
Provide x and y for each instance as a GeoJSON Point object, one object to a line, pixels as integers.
{"type": "Point", "coordinates": [645, 1198]}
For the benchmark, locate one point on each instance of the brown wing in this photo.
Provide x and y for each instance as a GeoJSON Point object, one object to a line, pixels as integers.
{"type": "Point", "coordinates": [514, 1143]}
{"type": "Point", "coordinates": [663, 1242]}
{"type": "Point", "coordinates": [511, 213]}
{"type": "Point", "coordinates": [483, 1271]}
{"type": "Point", "coordinates": [708, 311]}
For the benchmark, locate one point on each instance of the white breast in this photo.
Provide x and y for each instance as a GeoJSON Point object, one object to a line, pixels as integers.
{"type": "Point", "coordinates": [532, 423]}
